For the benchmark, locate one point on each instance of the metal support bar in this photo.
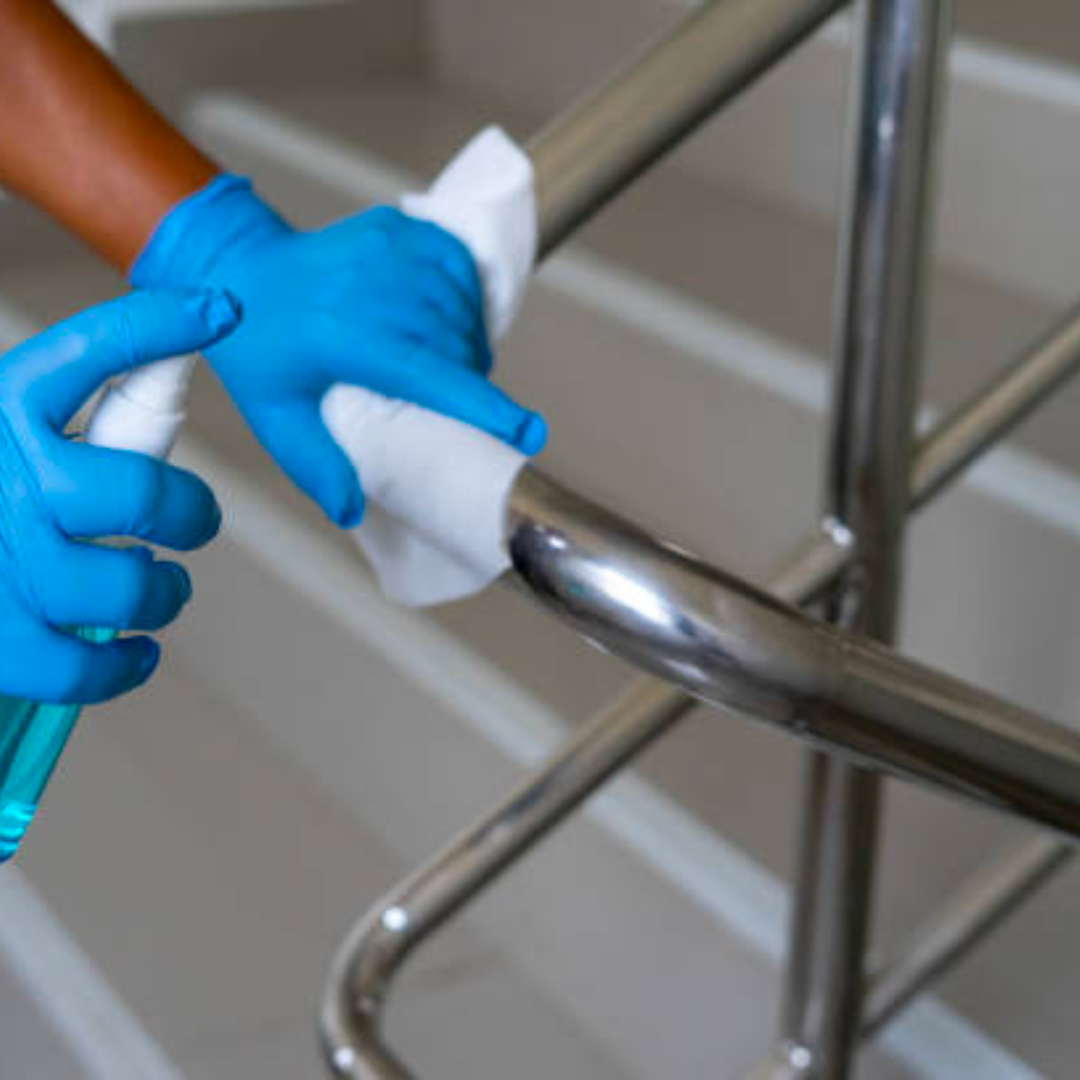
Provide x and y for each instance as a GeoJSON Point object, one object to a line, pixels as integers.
{"type": "Point", "coordinates": [945, 452]}
{"type": "Point", "coordinates": [836, 858]}
{"type": "Point", "coordinates": [367, 960]}
{"type": "Point", "coordinates": [949, 934]}
{"type": "Point", "coordinates": [605, 141]}
{"type": "Point", "coordinates": [1006, 402]}
{"type": "Point", "coordinates": [897, 80]}
{"type": "Point", "coordinates": [993, 894]}
{"type": "Point", "coordinates": [941, 458]}
{"type": "Point", "coordinates": [954, 930]}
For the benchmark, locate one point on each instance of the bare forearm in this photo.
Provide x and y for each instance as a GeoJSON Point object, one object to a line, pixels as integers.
{"type": "Point", "coordinates": [79, 141]}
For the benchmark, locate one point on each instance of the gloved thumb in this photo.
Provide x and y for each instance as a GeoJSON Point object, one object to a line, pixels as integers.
{"type": "Point", "coordinates": [297, 439]}
{"type": "Point", "coordinates": [66, 363]}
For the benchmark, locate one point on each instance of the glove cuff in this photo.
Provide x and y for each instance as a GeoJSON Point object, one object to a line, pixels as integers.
{"type": "Point", "coordinates": [192, 244]}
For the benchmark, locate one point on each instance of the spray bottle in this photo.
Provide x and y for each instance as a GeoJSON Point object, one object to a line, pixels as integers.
{"type": "Point", "coordinates": [142, 412]}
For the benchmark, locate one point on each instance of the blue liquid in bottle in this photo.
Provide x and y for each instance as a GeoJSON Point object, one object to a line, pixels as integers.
{"type": "Point", "coordinates": [32, 738]}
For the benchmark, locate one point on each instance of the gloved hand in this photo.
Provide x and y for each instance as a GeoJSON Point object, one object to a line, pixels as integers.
{"type": "Point", "coordinates": [379, 300]}
{"type": "Point", "coordinates": [55, 493]}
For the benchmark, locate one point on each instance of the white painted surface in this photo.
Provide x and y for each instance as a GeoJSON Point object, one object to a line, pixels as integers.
{"type": "Point", "coordinates": [71, 992]}
{"type": "Point", "coordinates": [119, 10]}
{"type": "Point", "coordinates": [100, 19]}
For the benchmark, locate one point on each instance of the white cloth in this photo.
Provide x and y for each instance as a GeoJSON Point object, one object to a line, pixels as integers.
{"type": "Point", "coordinates": [143, 411]}
{"type": "Point", "coordinates": [436, 491]}
{"type": "Point", "coordinates": [437, 488]}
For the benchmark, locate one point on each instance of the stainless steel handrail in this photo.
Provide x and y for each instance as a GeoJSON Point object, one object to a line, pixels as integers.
{"type": "Point", "coordinates": [726, 642]}
{"type": "Point", "coordinates": [358, 985]}
{"type": "Point", "coordinates": [751, 652]}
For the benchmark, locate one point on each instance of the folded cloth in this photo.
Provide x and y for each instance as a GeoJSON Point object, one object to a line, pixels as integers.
{"type": "Point", "coordinates": [436, 488]}
{"type": "Point", "coordinates": [436, 491]}
{"type": "Point", "coordinates": [486, 197]}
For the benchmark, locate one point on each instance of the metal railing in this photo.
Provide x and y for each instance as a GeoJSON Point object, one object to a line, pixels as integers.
{"type": "Point", "coordinates": [709, 636]}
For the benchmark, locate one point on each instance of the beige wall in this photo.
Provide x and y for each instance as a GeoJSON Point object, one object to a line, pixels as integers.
{"type": "Point", "coordinates": [1049, 28]}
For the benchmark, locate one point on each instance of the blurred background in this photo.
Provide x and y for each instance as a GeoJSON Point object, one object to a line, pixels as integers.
{"type": "Point", "coordinates": [207, 842]}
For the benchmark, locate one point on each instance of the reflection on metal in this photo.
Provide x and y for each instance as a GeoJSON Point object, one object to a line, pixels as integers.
{"type": "Point", "coordinates": [708, 635]}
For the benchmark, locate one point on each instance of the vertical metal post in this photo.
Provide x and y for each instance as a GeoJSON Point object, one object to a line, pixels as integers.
{"type": "Point", "coordinates": [896, 82]}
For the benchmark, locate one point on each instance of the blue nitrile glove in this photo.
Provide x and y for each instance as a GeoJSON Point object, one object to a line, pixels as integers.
{"type": "Point", "coordinates": [379, 300]}
{"type": "Point", "coordinates": [56, 493]}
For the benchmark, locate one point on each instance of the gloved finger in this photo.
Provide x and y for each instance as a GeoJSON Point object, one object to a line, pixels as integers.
{"type": "Point", "coordinates": [66, 363]}
{"type": "Point", "coordinates": [420, 326]}
{"type": "Point", "coordinates": [74, 671]}
{"type": "Point", "coordinates": [114, 588]}
{"type": "Point", "coordinates": [463, 308]}
{"type": "Point", "coordinates": [453, 284]}
{"type": "Point", "coordinates": [436, 311]}
{"type": "Point", "coordinates": [297, 439]}
{"type": "Point", "coordinates": [469, 353]}
{"type": "Point", "coordinates": [429, 242]}
{"type": "Point", "coordinates": [101, 492]}
{"type": "Point", "coordinates": [426, 379]}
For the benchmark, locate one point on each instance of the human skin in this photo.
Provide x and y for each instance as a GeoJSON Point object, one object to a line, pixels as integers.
{"type": "Point", "coordinates": [80, 142]}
